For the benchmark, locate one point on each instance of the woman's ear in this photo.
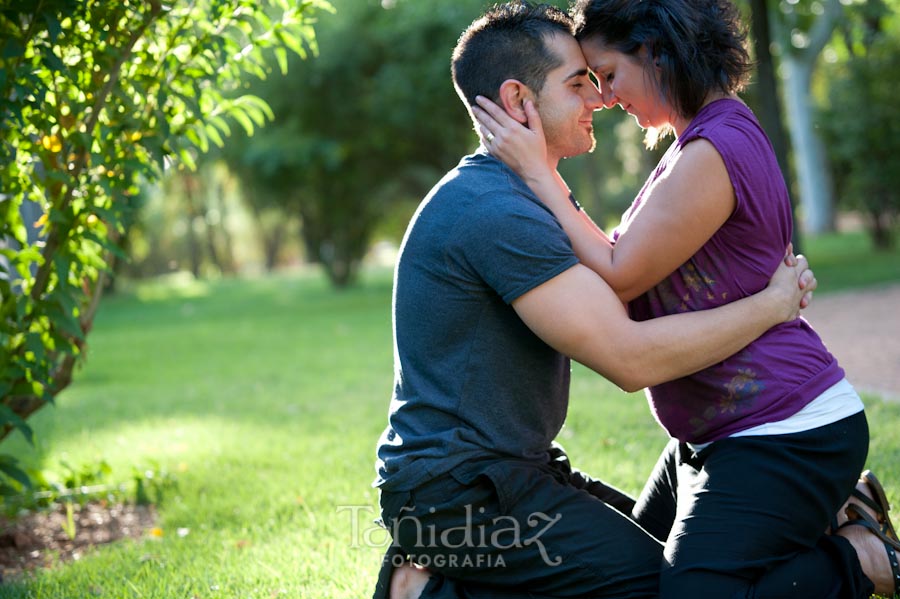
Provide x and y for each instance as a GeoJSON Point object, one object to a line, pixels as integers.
{"type": "Point", "coordinates": [513, 94]}
{"type": "Point", "coordinates": [646, 52]}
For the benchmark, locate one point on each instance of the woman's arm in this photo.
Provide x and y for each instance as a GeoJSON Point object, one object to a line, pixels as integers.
{"type": "Point", "coordinates": [678, 214]}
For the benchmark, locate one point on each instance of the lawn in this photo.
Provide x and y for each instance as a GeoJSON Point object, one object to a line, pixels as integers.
{"type": "Point", "coordinates": [844, 261]}
{"type": "Point", "coordinates": [264, 398]}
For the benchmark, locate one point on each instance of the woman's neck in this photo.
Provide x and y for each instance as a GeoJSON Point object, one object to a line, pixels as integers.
{"type": "Point", "coordinates": [681, 123]}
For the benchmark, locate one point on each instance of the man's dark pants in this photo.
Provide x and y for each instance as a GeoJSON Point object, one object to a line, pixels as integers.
{"type": "Point", "coordinates": [510, 528]}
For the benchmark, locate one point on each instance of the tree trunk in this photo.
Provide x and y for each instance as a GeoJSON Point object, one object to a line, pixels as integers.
{"type": "Point", "coordinates": [192, 215]}
{"type": "Point", "coordinates": [814, 177]}
{"type": "Point", "coordinates": [882, 227]}
{"type": "Point", "coordinates": [229, 264]}
{"type": "Point", "coordinates": [816, 192]}
{"type": "Point", "coordinates": [770, 107]}
{"type": "Point", "coordinates": [26, 405]}
{"type": "Point", "coordinates": [272, 242]}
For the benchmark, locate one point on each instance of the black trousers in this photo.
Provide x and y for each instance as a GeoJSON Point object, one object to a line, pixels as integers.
{"type": "Point", "coordinates": [746, 516]}
{"type": "Point", "coordinates": [505, 529]}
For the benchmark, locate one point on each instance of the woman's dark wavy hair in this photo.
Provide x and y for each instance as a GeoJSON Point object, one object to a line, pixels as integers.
{"type": "Point", "coordinates": [699, 45]}
{"type": "Point", "coordinates": [508, 42]}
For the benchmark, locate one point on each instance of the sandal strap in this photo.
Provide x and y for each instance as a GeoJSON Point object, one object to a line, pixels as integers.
{"type": "Point", "coordinates": [854, 511]}
{"type": "Point", "coordinates": [869, 502]}
{"type": "Point", "coordinates": [865, 520]}
{"type": "Point", "coordinates": [877, 489]}
{"type": "Point", "coordinates": [895, 567]}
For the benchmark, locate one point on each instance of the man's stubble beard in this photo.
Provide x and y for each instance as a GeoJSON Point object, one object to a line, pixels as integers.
{"type": "Point", "coordinates": [590, 150]}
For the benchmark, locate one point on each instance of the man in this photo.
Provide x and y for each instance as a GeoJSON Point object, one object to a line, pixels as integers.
{"type": "Point", "coordinates": [489, 300]}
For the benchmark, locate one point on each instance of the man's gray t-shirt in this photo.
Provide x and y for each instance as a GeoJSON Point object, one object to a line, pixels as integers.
{"type": "Point", "coordinates": [471, 380]}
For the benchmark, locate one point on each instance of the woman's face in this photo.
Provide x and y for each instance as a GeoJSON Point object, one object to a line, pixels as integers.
{"type": "Point", "coordinates": [624, 80]}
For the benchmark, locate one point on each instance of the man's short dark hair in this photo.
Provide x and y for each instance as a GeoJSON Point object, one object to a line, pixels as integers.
{"type": "Point", "coordinates": [508, 42]}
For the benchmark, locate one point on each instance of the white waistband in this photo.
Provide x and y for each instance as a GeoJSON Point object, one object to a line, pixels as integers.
{"type": "Point", "coordinates": [837, 402]}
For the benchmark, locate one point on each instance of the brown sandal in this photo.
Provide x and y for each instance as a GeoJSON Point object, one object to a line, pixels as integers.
{"type": "Point", "coordinates": [878, 504]}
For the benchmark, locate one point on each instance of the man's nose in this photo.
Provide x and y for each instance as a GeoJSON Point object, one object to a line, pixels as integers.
{"type": "Point", "coordinates": [595, 100]}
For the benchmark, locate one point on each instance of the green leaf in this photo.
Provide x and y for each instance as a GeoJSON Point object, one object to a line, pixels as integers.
{"type": "Point", "coordinates": [214, 135]}
{"type": "Point", "coordinates": [221, 124]}
{"type": "Point", "coordinates": [53, 26]}
{"type": "Point", "coordinates": [9, 466]}
{"type": "Point", "coordinates": [281, 55]}
{"type": "Point", "coordinates": [52, 62]}
{"type": "Point", "coordinates": [198, 137]}
{"type": "Point", "coordinates": [35, 344]}
{"type": "Point", "coordinates": [66, 322]}
{"type": "Point", "coordinates": [188, 159]}
{"type": "Point", "coordinates": [7, 416]}
{"type": "Point", "coordinates": [244, 121]}
{"type": "Point", "coordinates": [12, 49]}
{"type": "Point", "coordinates": [63, 267]}
{"type": "Point", "coordinates": [293, 42]}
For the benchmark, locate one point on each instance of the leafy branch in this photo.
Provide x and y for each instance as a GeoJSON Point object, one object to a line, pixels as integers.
{"type": "Point", "coordinates": [92, 107]}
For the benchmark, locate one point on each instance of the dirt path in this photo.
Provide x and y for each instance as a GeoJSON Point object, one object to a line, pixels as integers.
{"type": "Point", "coordinates": [862, 329]}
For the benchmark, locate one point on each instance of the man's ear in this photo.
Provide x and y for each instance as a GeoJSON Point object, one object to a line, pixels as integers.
{"type": "Point", "coordinates": [513, 94]}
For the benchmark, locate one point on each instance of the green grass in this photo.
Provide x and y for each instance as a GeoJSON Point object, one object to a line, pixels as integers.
{"type": "Point", "coordinates": [265, 398]}
{"type": "Point", "coordinates": [846, 260]}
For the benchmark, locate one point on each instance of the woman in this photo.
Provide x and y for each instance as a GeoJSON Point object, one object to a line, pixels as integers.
{"type": "Point", "coordinates": [767, 445]}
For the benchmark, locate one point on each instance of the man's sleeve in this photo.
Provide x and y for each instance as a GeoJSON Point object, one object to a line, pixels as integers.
{"type": "Point", "coordinates": [514, 244]}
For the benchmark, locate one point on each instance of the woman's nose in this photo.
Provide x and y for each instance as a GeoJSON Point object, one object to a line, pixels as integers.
{"type": "Point", "coordinates": [608, 95]}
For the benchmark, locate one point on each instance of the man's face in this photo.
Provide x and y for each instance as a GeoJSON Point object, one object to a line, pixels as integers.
{"type": "Point", "coordinates": [567, 102]}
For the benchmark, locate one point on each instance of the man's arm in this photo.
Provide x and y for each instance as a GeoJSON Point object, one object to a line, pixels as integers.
{"type": "Point", "coordinates": [579, 315]}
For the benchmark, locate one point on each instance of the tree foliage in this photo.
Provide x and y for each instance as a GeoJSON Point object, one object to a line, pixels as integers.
{"type": "Point", "coordinates": [95, 98]}
{"type": "Point", "coordinates": [861, 124]}
{"type": "Point", "coordinates": [372, 121]}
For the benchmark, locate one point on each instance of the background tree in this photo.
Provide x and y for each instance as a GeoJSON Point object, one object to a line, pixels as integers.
{"type": "Point", "coordinates": [861, 123]}
{"type": "Point", "coordinates": [186, 222]}
{"type": "Point", "coordinates": [97, 97]}
{"type": "Point", "coordinates": [364, 129]}
{"type": "Point", "coordinates": [801, 29]}
{"type": "Point", "coordinates": [263, 197]}
{"type": "Point", "coordinates": [331, 169]}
